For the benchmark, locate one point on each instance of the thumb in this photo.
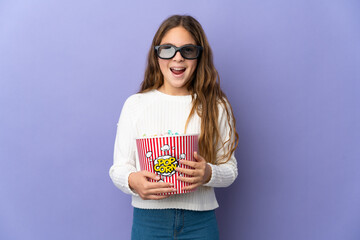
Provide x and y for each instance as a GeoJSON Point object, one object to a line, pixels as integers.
{"type": "Point", "coordinates": [151, 175]}
{"type": "Point", "coordinates": [198, 157]}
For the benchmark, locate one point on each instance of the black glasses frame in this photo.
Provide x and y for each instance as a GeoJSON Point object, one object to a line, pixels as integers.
{"type": "Point", "coordinates": [177, 49]}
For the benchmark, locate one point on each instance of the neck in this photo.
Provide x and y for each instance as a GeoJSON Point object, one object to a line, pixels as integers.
{"type": "Point", "coordinates": [174, 92]}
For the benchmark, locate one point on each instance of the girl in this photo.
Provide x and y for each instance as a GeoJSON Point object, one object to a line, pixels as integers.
{"type": "Point", "coordinates": [180, 93]}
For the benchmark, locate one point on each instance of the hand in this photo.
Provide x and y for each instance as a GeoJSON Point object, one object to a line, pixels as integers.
{"type": "Point", "coordinates": [139, 181]}
{"type": "Point", "coordinates": [198, 175]}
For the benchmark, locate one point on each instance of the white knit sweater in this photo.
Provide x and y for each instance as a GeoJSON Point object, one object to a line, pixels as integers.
{"type": "Point", "coordinates": [155, 113]}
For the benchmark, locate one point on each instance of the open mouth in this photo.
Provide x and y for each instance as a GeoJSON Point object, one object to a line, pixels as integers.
{"type": "Point", "coordinates": [177, 71]}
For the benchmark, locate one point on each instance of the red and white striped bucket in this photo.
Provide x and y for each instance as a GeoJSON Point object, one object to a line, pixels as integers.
{"type": "Point", "coordinates": [161, 156]}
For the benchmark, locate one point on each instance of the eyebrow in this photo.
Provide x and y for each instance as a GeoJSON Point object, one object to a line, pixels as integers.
{"type": "Point", "coordinates": [175, 45]}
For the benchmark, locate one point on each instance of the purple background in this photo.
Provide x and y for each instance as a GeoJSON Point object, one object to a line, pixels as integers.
{"type": "Point", "coordinates": [290, 69]}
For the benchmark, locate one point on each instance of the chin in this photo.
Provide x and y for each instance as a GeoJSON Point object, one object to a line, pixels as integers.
{"type": "Point", "coordinates": [178, 83]}
{"type": "Point", "coordinates": [182, 85]}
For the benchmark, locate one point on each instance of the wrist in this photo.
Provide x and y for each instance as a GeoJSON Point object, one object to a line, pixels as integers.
{"type": "Point", "coordinates": [208, 173]}
{"type": "Point", "coordinates": [130, 181]}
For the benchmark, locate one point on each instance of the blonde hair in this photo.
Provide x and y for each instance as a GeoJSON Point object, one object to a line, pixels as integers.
{"type": "Point", "coordinates": [204, 87]}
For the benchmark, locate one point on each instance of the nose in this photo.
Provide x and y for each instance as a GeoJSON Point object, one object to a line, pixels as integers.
{"type": "Point", "coordinates": [178, 57]}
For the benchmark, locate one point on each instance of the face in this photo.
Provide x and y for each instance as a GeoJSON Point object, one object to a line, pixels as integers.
{"type": "Point", "coordinates": [178, 70]}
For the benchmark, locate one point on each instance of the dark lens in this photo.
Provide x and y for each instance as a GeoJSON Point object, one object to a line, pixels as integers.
{"type": "Point", "coordinates": [166, 51]}
{"type": "Point", "coordinates": [189, 51]}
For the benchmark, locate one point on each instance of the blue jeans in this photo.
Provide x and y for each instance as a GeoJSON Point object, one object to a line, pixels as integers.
{"type": "Point", "coordinates": [174, 224]}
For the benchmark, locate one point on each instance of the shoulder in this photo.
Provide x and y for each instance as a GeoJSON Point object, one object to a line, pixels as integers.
{"type": "Point", "coordinates": [138, 99]}
{"type": "Point", "coordinates": [135, 104]}
{"type": "Point", "coordinates": [225, 113]}
{"type": "Point", "coordinates": [223, 106]}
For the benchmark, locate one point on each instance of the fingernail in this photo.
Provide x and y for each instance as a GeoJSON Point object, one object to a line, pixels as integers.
{"type": "Point", "coordinates": [174, 190]}
{"type": "Point", "coordinates": [157, 177]}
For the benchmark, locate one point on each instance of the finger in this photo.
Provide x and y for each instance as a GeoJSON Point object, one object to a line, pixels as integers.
{"type": "Point", "coordinates": [189, 163]}
{"type": "Point", "coordinates": [160, 190]}
{"type": "Point", "coordinates": [156, 197]}
{"type": "Point", "coordinates": [191, 187]}
{"type": "Point", "coordinates": [150, 175]}
{"type": "Point", "coordinates": [193, 180]}
{"type": "Point", "coordinates": [190, 172]}
{"type": "Point", "coordinates": [154, 185]}
{"type": "Point", "coordinates": [198, 157]}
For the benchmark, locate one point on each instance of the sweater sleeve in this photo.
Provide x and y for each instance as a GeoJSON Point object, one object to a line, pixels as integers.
{"type": "Point", "coordinates": [223, 175]}
{"type": "Point", "coordinates": [124, 161]}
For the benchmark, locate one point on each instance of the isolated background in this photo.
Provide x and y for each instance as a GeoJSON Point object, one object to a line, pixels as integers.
{"type": "Point", "coordinates": [291, 70]}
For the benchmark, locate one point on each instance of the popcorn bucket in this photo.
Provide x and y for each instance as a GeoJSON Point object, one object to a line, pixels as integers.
{"type": "Point", "coordinates": [161, 155]}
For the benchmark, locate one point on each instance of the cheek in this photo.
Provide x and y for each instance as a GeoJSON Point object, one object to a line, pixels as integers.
{"type": "Point", "coordinates": [193, 66]}
{"type": "Point", "coordinates": [163, 64]}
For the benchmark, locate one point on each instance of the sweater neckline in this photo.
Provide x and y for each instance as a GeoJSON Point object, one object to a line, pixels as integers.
{"type": "Point", "coordinates": [172, 97]}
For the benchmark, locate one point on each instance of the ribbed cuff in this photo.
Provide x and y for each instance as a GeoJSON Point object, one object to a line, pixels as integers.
{"type": "Point", "coordinates": [213, 176]}
{"type": "Point", "coordinates": [127, 186]}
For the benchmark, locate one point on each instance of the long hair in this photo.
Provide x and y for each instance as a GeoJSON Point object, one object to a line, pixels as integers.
{"type": "Point", "coordinates": [204, 86]}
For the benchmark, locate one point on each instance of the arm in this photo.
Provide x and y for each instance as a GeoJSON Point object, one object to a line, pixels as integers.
{"type": "Point", "coordinates": [223, 175]}
{"type": "Point", "coordinates": [208, 174]}
{"type": "Point", "coordinates": [124, 150]}
{"type": "Point", "coordinates": [123, 172]}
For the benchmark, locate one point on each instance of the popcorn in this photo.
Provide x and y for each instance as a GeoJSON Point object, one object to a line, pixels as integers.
{"type": "Point", "coordinates": [168, 133]}
{"type": "Point", "coordinates": [161, 155]}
